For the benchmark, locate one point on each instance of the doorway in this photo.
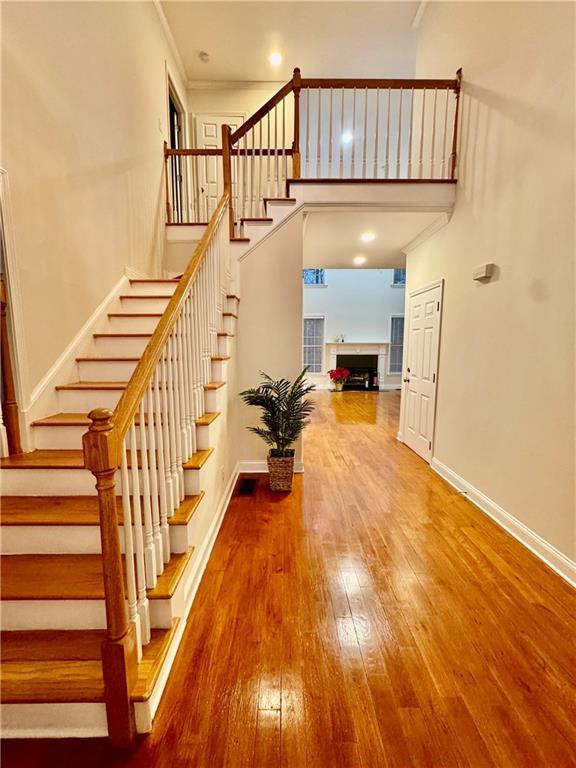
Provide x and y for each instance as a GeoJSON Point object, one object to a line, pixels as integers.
{"type": "Point", "coordinates": [420, 377]}
{"type": "Point", "coordinates": [177, 140]}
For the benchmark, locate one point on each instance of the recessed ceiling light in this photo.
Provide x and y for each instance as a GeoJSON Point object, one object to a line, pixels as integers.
{"type": "Point", "coordinates": [359, 260]}
{"type": "Point", "coordinates": [347, 137]}
{"type": "Point", "coordinates": [367, 237]}
{"type": "Point", "coordinates": [275, 58]}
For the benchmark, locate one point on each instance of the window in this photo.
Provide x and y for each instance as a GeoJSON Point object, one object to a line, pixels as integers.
{"type": "Point", "coordinates": [396, 344]}
{"type": "Point", "coordinates": [313, 277]}
{"type": "Point", "coordinates": [399, 277]}
{"type": "Point", "coordinates": [313, 343]}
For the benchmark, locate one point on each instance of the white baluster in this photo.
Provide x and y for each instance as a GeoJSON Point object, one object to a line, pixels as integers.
{"type": "Point", "coordinates": [167, 436]}
{"type": "Point", "coordinates": [132, 593]}
{"type": "Point", "coordinates": [149, 546]}
{"type": "Point", "coordinates": [153, 456]}
{"type": "Point", "coordinates": [163, 475]}
{"type": "Point", "coordinates": [365, 134]}
{"type": "Point", "coordinates": [307, 132]}
{"type": "Point", "coordinates": [387, 161]}
{"type": "Point", "coordinates": [443, 173]}
{"type": "Point", "coordinates": [330, 137]}
{"type": "Point", "coordinates": [410, 134]}
{"type": "Point", "coordinates": [176, 385]}
{"type": "Point", "coordinates": [143, 608]}
{"type": "Point", "coordinates": [420, 161]}
{"type": "Point", "coordinates": [318, 134]}
{"type": "Point", "coordinates": [399, 134]}
{"type": "Point", "coordinates": [173, 422]}
{"type": "Point", "coordinates": [180, 393]}
{"type": "Point", "coordinates": [260, 166]}
{"type": "Point", "coordinates": [376, 130]}
{"type": "Point", "coordinates": [353, 160]}
{"type": "Point", "coordinates": [433, 146]}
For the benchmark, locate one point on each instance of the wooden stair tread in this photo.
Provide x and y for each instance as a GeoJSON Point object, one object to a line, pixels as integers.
{"type": "Point", "coordinates": [232, 296]}
{"type": "Point", "coordinates": [229, 314]}
{"type": "Point", "coordinates": [144, 296]}
{"type": "Point", "coordinates": [134, 314]}
{"type": "Point", "coordinates": [239, 239]}
{"type": "Point", "coordinates": [248, 219]}
{"type": "Point", "coordinates": [65, 665]}
{"type": "Point", "coordinates": [214, 385]}
{"type": "Point", "coordinates": [45, 459]}
{"type": "Point", "coordinates": [74, 577]}
{"type": "Point", "coordinates": [108, 359]}
{"type": "Point", "coordinates": [51, 681]}
{"type": "Point", "coordinates": [79, 385]}
{"type": "Point", "coordinates": [170, 280]}
{"type": "Point", "coordinates": [198, 459]}
{"type": "Point", "coordinates": [225, 333]}
{"type": "Point", "coordinates": [220, 358]}
{"type": "Point", "coordinates": [153, 657]}
{"type": "Point", "coordinates": [122, 335]}
{"type": "Point", "coordinates": [207, 419]}
{"type": "Point", "coordinates": [279, 199]}
{"type": "Point", "coordinates": [75, 510]}
{"type": "Point", "coordinates": [64, 420]}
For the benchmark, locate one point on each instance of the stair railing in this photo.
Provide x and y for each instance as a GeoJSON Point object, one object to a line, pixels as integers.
{"type": "Point", "coordinates": [141, 447]}
{"type": "Point", "coordinates": [332, 130]}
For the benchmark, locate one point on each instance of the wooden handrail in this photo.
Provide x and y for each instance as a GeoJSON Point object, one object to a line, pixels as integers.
{"type": "Point", "coordinates": [213, 152]}
{"type": "Point", "coordinates": [262, 112]}
{"type": "Point", "coordinates": [132, 396]}
{"type": "Point", "coordinates": [407, 84]}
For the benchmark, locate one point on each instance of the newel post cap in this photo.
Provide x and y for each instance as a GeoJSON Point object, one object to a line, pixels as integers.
{"type": "Point", "coordinates": [296, 77]}
{"type": "Point", "coordinates": [99, 443]}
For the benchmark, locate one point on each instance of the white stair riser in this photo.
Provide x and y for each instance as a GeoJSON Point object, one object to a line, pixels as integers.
{"type": "Point", "coordinates": [229, 324]}
{"type": "Point", "coordinates": [84, 400]}
{"type": "Point", "coordinates": [70, 437]}
{"type": "Point", "coordinates": [153, 289]}
{"type": "Point", "coordinates": [106, 370]}
{"type": "Point", "coordinates": [214, 399]}
{"type": "Point", "coordinates": [139, 304]}
{"type": "Point", "coordinates": [119, 346]}
{"type": "Point", "coordinates": [232, 305]}
{"type": "Point", "coordinates": [224, 345]}
{"type": "Point", "coordinates": [205, 436]}
{"type": "Point", "coordinates": [141, 324]}
{"type": "Point", "coordinates": [72, 614]}
{"type": "Point", "coordinates": [219, 370]}
{"type": "Point", "coordinates": [75, 719]}
{"type": "Point", "coordinates": [71, 539]}
{"type": "Point", "coordinates": [71, 482]}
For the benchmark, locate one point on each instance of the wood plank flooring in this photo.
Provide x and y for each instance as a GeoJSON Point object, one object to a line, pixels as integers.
{"type": "Point", "coordinates": [372, 618]}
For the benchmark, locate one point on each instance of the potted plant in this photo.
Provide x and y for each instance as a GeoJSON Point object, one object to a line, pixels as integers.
{"type": "Point", "coordinates": [284, 415]}
{"type": "Point", "coordinates": [339, 376]}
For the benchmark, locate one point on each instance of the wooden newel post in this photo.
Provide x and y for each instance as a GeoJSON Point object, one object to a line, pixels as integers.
{"type": "Point", "coordinates": [167, 185]}
{"type": "Point", "coordinates": [454, 153]}
{"type": "Point", "coordinates": [296, 84]}
{"type": "Point", "coordinates": [227, 174]}
{"type": "Point", "coordinates": [11, 416]}
{"type": "Point", "coordinates": [119, 655]}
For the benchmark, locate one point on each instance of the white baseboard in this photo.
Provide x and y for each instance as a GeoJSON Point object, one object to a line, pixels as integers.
{"type": "Point", "coordinates": [555, 559]}
{"type": "Point", "coordinates": [43, 399]}
{"type": "Point", "coordinates": [261, 466]}
{"type": "Point", "coordinates": [388, 387]}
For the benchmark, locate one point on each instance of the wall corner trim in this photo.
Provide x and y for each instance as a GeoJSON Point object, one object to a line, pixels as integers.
{"type": "Point", "coordinates": [552, 557]}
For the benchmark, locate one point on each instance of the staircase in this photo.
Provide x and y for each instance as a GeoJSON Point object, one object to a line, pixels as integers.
{"type": "Point", "coordinates": [54, 601]}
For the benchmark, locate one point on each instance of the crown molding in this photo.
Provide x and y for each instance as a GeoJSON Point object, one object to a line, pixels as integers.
{"type": "Point", "coordinates": [419, 14]}
{"type": "Point", "coordinates": [170, 39]}
{"type": "Point", "coordinates": [426, 233]}
{"type": "Point", "coordinates": [234, 85]}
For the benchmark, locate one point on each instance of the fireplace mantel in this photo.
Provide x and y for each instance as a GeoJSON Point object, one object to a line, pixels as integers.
{"type": "Point", "coordinates": [380, 348]}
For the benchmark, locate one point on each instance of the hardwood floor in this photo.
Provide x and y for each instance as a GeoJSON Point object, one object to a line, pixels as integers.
{"type": "Point", "coordinates": [371, 618]}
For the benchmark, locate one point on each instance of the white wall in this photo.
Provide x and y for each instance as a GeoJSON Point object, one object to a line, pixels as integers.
{"type": "Point", "coordinates": [355, 302]}
{"type": "Point", "coordinates": [269, 324]}
{"type": "Point", "coordinates": [506, 396]}
{"type": "Point", "coordinates": [84, 107]}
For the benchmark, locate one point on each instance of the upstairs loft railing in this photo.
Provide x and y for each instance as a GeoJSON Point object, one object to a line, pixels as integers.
{"type": "Point", "coordinates": [137, 455]}
{"type": "Point", "coordinates": [371, 129]}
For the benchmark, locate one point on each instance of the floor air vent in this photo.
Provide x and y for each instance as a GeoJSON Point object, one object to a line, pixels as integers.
{"type": "Point", "coordinates": [247, 486]}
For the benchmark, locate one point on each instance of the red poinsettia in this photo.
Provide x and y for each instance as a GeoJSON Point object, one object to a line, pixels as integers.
{"type": "Point", "coordinates": [339, 374]}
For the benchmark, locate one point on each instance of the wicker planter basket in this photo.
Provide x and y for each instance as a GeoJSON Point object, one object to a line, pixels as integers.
{"type": "Point", "coordinates": [281, 471]}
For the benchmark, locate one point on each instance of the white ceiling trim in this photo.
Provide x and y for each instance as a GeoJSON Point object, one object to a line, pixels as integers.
{"type": "Point", "coordinates": [170, 39]}
{"type": "Point", "coordinates": [430, 230]}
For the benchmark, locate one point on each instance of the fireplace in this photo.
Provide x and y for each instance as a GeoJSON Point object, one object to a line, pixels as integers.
{"type": "Point", "coordinates": [363, 371]}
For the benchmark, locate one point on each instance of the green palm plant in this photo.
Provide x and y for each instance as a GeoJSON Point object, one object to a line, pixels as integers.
{"type": "Point", "coordinates": [285, 412]}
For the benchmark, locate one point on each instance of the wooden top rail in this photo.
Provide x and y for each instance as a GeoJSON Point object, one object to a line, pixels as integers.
{"type": "Point", "coordinates": [262, 112]}
{"type": "Point", "coordinates": [417, 84]}
{"type": "Point", "coordinates": [233, 151]}
{"type": "Point", "coordinates": [200, 152]}
{"type": "Point", "coordinates": [140, 380]}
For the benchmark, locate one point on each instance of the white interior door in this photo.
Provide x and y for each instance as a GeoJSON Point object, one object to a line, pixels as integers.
{"type": "Point", "coordinates": [420, 378]}
{"type": "Point", "coordinates": [209, 181]}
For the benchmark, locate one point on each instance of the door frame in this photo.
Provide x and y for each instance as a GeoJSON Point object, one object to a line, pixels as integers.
{"type": "Point", "coordinates": [405, 357]}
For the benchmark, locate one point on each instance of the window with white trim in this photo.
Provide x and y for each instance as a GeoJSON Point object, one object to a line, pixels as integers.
{"type": "Point", "coordinates": [399, 277]}
{"type": "Point", "coordinates": [396, 343]}
{"type": "Point", "coordinates": [313, 343]}
{"type": "Point", "coordinates": [314, 276]}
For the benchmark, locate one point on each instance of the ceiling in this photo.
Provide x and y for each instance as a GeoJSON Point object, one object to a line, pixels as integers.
{"type": "Point", "coordinates": [337, 39]}
{"type": "Point", "coordinates": [332, 239]}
